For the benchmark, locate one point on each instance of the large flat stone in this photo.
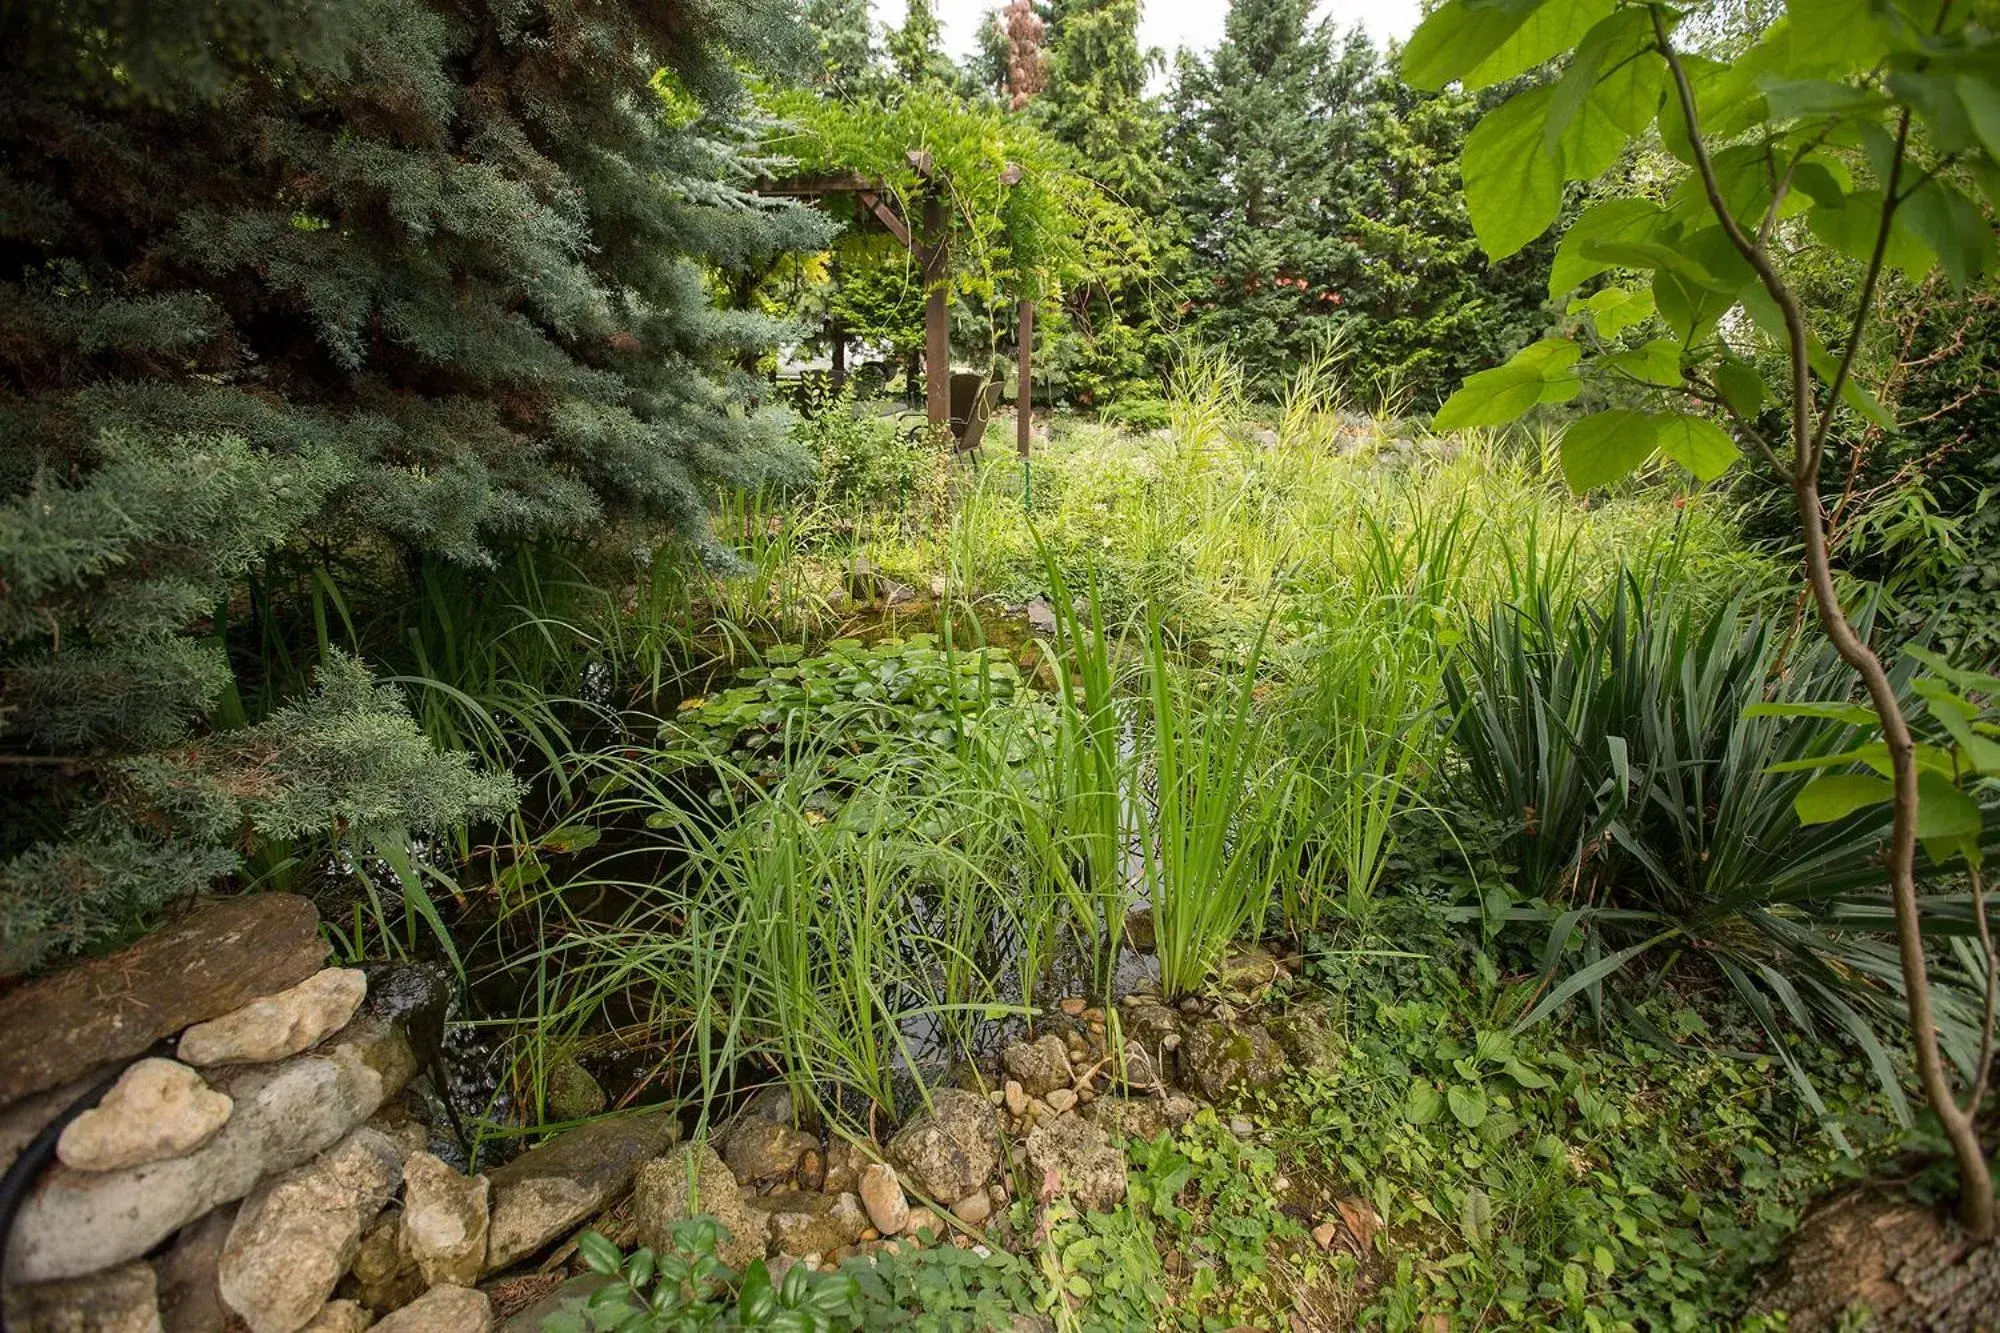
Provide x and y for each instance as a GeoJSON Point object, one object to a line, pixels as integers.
{"type": "Point", "coordinates": [123, 1300]}
{"type": "Point", "coordinates": [216, 959]}
{"type": "Point", "coordinates": [76, 1222]}
{"type": "Point", "coordinates": [543, 1193]}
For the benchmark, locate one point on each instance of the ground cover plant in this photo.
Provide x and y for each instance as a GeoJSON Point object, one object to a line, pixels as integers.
{"type": "Point", "coordinates": [1445, 788]}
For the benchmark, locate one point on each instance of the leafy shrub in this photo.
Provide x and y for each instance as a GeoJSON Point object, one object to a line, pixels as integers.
{"type": "Point", "coordinates": [866, 461]}
{"type": "Point", "coordinates": [1136, 413]}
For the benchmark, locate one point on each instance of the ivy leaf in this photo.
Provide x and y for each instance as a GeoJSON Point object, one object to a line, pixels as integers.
{"type": "Point", "coordinates": [1697, 444]}
{"type": "Point", "coordinates": [1627, 220]}
{"type": "Point", "coordinates": [1605, 446]}
{"type": "Point", "coordinates": [1539, 373]}
{"type": "Point", "coordinates": [1513, 182]}
{"type": "Point", "coordinates": [1837, 795]}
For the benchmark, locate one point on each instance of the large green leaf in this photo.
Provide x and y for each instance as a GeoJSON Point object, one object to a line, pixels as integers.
{"type": "Point", "coordinates": [1741, 387]}
{"type": "Point", "coordinates": [1542, 372]}
{"type": "Point", "coordinates": [1657, 363]}
{"type": "Point", "coordinates": [1458, 35]}
{"type": "Point", "coordinates": [1635, 221]}
{"type": "Point", "coordinates": [1953, 227]}
{"type": "Point", "coordinates": [1615, 309]}
{"type": "Point", "coordinates": [1837, 795]}
{"type": "Point", "coordinates": [1548, 30]}
{"type": "Point", "coordinates": [1944, 811]}
{"type": "Point", "coordinates": [1605, 446]}
{"type": "Point", "coordinates": [1852, 229]}
{"type": "Point", "coordinates": [1610, 92]}
{"type": "Point", "coordinates": [1697, 444]}
{"type": "Point", "coordinates": [1513, 181]}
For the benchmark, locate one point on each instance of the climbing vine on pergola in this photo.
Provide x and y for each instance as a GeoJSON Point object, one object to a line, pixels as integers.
{"type": "Point", "coordinates": [986, 206]}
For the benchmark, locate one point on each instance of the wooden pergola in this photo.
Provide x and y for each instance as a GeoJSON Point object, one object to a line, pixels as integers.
{"type": "Point", "coordinates": [931, 246]}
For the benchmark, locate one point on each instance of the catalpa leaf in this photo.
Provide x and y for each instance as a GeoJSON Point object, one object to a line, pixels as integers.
{"type": "Point", "coordinates": [1457, 36]}
{"type": "Point", "coordinates": [1697, 444]}
{"type": "Point", "coordinates": [1542, 372]}
{"type": "Point", "coordinates": [1605, 446]}
{"type": "Point", "coordinates": [1512, 180]}
{"type": "Point", "coordinates": [1838, 795]}
{"type": "Point", "coordinates": [1615, 220]}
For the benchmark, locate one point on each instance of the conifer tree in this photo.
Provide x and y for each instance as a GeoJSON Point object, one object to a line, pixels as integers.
{"type": "Point", "coordinates": [916, 49]}
{"type": "Point", "coordinates": [311, 281]}
{"type": "Point", "coordinates": [1096, 102]}
{"type": "Point", "coordinates": [1318, 192]}
{"type": "Point", "coordinates": [848, 61]}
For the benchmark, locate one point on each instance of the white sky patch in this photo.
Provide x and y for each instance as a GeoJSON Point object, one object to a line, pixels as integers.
{"type": "Point", "coordinates": [1171, 24]}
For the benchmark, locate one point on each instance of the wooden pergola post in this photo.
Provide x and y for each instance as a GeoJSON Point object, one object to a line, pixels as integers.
{"type": "Point", "coordinates": [936, 256]}
{"type": "Point", "coordinates": [1024, 392]}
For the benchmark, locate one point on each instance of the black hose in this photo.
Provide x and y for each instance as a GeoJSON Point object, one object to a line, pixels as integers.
{"type": "Point", "coordinates": [21, 1175]}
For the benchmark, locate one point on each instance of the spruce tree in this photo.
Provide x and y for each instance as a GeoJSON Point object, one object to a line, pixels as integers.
{"type": "Point", "coordinates": [847, 62]}
{"type": "Point", "coordinates": [1320, 199]}
{"type": "Point", "coordinates": [345, 280]}
{"type": "Point", "coordinates": [1096, 102]}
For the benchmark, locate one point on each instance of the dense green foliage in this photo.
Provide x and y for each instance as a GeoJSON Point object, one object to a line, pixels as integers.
{"type": "Point", "coordinates": [1318, 198]}
{"type": "Point", "coordinates": [321, 289]}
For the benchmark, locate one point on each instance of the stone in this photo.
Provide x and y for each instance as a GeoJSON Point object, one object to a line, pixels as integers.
{"type": "Point", "coordinates": [190, 1299]}
{"type": "Point", "coordinates": [547, 1191]}
{"type": "Point", "coordinates": [385, 1277]}
{"type": "Point", "coordinates": [843, 1167]}
{"type": "Point", "coordinates": [157, 1109]}
{"type": "Point", "coordinates": [340, 1317]}
{"type": "Point", "coordinates": [1149, 1024]}
{"type": "Point", "coordinates": [687, 1182]}
{"type": "Point", "coordinates": [922, 1222]}
{"type": "Point", "coordinates": [444, 1309]}
{"type": "Point", "coordinates": [882, 1195]}
{"type": "Point", "coordinates": [570, 1296]}
{"type": "Point", "coordinates": [1221, 1061]}
{"type": "Point", "coordinates": [1015, 1098]}
{"type": "Point", "coordinates": [278, 1025]}
{"type": "Point", "coordinates": [1061, 1100]}
{"type": "Point", "coordinates": [812, 1170]}
{"type": "Point", "coordinates": [1241, 1126]}
{"type": "Point", "coordinates": [851, 1214]}
{"type": "Point", "coordinates": [1128, 1118]}
{"type": "Point", "coordinates": [974, 1208]}
{"type": "Point", "coordinates": [572, 1094]}
{"type": "Point", "coordinates": [210, 961]}
{"type": "Point", "coordinates": [443, 1228]}
{"type": "Point", "coordinates": [76, 1222]}
{"type": "Point", "coordinates": [1041, 614]}
{"type": "Point", "coordinates": [1308, 1034]}
{"type": "Point", "coordinates": [122, 1300]}
{"type": "Point", "coordinates": [1137, 1069]}
{"type": "Point", "coordinates": [1139, 931]}
{"type": "Point", "coordinates": [763, 1150]}
{"type": "Point", "coordinates": [296, 1234]}
{"type": "Point", "coordinates": [799, 1222]}
{"type": "Point", "coordinates": [1040, 1065]}
{"type": "Point", "coordinates": [950, 1150]}
{"type": "Point", "coordinates": [1087, 1167]}
{"type": "Point", "coordinates": [1072, 1006]}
